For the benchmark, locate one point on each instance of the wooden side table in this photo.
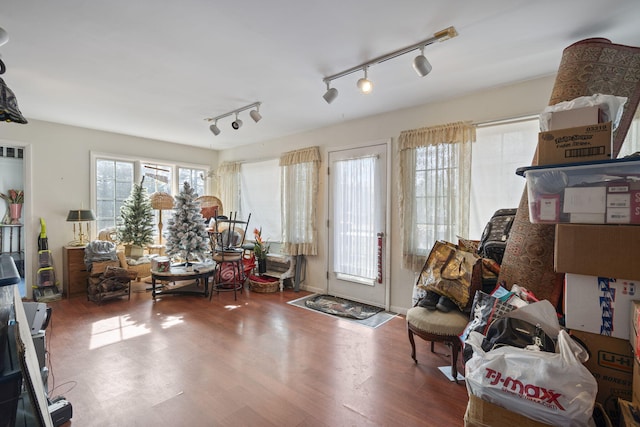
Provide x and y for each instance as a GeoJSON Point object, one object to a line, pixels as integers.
{"type": "Point", "coordinates": [75, 272]}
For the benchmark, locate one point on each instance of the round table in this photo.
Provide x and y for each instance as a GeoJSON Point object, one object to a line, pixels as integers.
{"type": "Point", "coordinates": [197, 271]}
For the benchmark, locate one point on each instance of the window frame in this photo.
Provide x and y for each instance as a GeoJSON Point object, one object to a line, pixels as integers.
{"type": "Point", "coordinates": [138, 173]}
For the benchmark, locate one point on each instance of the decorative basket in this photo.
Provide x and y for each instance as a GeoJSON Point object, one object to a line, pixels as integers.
{"type": "Point", "coordinates": [263, 284]}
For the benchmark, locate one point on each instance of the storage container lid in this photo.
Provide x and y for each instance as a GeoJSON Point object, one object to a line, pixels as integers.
{"type": "Point", "coordinates": [627, 166]}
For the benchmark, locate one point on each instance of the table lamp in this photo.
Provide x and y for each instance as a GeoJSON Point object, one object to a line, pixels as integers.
{"type": "Point", "coordinates": [80, 216]}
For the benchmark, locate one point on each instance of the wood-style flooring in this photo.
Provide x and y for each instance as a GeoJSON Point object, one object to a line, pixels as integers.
{"type": "Point", "coordinates": [258, 361]}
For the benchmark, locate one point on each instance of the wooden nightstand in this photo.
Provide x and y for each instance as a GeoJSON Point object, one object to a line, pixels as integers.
{"type": "Point", "coordinates": [75, 272]}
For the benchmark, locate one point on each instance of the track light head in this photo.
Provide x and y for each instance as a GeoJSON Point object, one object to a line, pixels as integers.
{"type": "Point", "coordinates": [331, 94]}
{"type": "Point", "coordinates": [255, 115]}
{"type": "Point", "coordinates": [237, 123]}
{"type": "Point", "coordinates": [4, 37]}
{"type": "Point", "coordinates": [364, 84]}
{"type": "Point", "coordinates": [215, 129]}
{"type": "Point", "coordinates": [421, 64]}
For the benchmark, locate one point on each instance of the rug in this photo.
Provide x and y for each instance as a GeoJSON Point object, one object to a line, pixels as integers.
{"type": "Point", "coordinates": [375, 320]}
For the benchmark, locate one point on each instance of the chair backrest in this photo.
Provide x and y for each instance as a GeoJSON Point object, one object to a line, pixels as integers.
{"type": "Point", "coordinates": [210, 206]}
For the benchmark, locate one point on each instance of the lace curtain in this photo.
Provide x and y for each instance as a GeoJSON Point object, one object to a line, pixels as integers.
{"type": "Point", "coordinates": [435, 178]}
{"type": "Point", "coordinates": [299, 191]}
{"type": "Point", "coordinates": [229, 186]}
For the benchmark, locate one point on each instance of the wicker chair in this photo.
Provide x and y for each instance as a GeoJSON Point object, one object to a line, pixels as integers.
{"type": "Point", "coordinates": [211, 206]}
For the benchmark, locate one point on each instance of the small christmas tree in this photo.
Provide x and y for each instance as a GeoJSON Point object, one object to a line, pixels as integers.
{"type": "Point", "coordinates": [188, 237]}
{"type": "Point", "coordinates": [136, 218]}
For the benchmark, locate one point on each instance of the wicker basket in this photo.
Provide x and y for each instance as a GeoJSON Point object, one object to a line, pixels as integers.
{"type": "Point", "coordinates": [262, 286]}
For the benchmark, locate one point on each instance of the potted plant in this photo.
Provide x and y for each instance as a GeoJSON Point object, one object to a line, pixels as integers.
{"type": "Point", "coordinates": [260, 250]}
{"type": "Point", "coordinates": [15, 199]}
{"type": "Point", "coordinates": [136, 222]}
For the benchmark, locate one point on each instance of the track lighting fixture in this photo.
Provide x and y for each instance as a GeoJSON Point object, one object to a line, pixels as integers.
{"type": "Point", "coordinates": [330, 94]}
{"type": "Point", "coordinates": [420, 64]}
{"type": "Point", "coordinates": [255, 114]}
{"type": "Point", "coordinates": [237, 123]}
{"type": "Point", "coordinates": [364, 84]}
{"type": "Point", "coordinates": [215, 129]}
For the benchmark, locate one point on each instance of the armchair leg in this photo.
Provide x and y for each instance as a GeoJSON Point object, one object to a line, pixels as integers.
{"type": "Point", "coordinates": [413, 346]}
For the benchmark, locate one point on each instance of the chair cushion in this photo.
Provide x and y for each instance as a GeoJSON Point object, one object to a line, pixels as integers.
{"type": "Point", "coordinates": [436, 322]}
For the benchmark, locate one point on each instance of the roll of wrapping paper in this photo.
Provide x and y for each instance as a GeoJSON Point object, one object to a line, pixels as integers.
{"type": "Point", "coordinates": [587, 67]}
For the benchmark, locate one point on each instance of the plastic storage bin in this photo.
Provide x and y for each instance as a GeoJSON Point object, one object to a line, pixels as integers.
{"type": "Point", "coordinates": [599, 192]}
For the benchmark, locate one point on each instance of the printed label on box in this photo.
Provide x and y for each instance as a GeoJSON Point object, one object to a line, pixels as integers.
{"type": "Point", "coordinates": [585, 200]}
{"type": "Point", "coordinates": [599, 305]}
{"type": "Point", "coordinates": [635, 207]}
{"type": "Point", "coordinates": [618, 215]}
{"type": "Point", "coordinates": [548, 208]}
{"type": "Point", "coordinates": [618, 200]}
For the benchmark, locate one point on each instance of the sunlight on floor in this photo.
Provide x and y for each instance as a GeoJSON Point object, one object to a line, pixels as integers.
{"type": "Point", "coordinates": [171, 321]}
{"type": "Point", "coordinates": [115, 329]}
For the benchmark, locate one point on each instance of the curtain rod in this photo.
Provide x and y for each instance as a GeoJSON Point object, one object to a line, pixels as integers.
{"type": "Point", "coordinates": [517, 119]}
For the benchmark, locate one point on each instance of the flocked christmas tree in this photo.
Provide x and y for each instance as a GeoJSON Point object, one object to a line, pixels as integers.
{"type": "Point", "coordinates": [187, 234]}
{"type": "Point", "coordinates": [136, 218]}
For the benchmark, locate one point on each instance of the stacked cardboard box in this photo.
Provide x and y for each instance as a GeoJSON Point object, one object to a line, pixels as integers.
{"type": "Point", "coordinates": [575, 135]}
{"type": "Point", "coordinates": [593, 251]}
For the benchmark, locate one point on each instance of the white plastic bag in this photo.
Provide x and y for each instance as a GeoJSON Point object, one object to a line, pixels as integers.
{"type": "Point", "coordinates": [611, 107]}
{"type": "Point", "coordinates": [554, 388]}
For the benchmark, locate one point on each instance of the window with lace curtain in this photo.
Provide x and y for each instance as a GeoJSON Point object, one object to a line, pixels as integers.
{"type": "Point", "coordinates": [299, 170]}
{"type": "Point", "coordinates": [435, 169]}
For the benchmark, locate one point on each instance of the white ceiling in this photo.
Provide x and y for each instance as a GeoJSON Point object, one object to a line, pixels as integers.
{"type": "Point", "coordinates": [157, 69]}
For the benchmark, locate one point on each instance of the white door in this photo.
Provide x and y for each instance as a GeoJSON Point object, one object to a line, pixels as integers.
{"type": "Point", "coordinates": [357, 224]}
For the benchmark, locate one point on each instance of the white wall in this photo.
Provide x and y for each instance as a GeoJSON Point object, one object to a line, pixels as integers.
{"type": "Point", "coordinates": [57, 168]}
{"type": "Point", "coordinates": [57, 165]}
{"type": "Point", "coordinates": [516, 100]}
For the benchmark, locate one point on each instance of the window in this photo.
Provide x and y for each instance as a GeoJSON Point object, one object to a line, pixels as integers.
{"type": "Point", "coordinates": [113, 177]}
{"type": "Point", "coordinates": [157, 178]}
{"type": "Point", "coordinates": [260, 197]}
{"type": "Point", "coordinates": [299, 175]}
{"type": "Point", "coordinates": [195, 178]}
{"type": "Point", "coordinates": [435, 168]}
{"type": "Point", "coordinates": [499, 150]}
{"type": "Point", "coordinates": [114, 180]}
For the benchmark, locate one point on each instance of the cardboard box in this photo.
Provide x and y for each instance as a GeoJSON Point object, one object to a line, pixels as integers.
{"type": "Point", "coordinates": [634, 337]}
{"type": "Point", "coordinates": [481, 413]}
{"type": "Point", "coordinates": [598, 304]}
{"type": "Point", "coordinates": [575, 117]}
{"type": "Point", "coordinates": [598, 250]}
{"type": "Point", "coordinates": [628, 413]}
{"type": "Point", "coordinates": [611, 363]}
{"type": "Point", "coordinates": [577, 144]}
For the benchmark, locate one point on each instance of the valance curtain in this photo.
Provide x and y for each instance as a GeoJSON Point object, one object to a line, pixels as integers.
{"type": "Point", "coordinates": [435, 180]}
{"type": "Point", "coordinates": [299, 191]}
{"type": "Point", "coordinates": [229, 186]}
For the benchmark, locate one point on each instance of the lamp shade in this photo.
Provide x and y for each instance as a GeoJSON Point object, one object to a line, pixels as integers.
{"type": "Point", "coordinates": [81, 215]}
{"type": "Point", "coordinates": [161, 200]}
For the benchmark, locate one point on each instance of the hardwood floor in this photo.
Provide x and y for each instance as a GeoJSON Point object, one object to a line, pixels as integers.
{"type": "Point", "coordinates": [257, 361]}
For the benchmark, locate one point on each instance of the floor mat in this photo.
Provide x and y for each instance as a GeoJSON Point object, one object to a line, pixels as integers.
{"type": "Point", "coordinates": [377, 319]}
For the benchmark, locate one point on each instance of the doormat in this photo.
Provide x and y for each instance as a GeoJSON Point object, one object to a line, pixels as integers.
{"type": "Point", "coordinates": [377, 317]}
{"type": "Point", "coordinates": [341, 307]}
